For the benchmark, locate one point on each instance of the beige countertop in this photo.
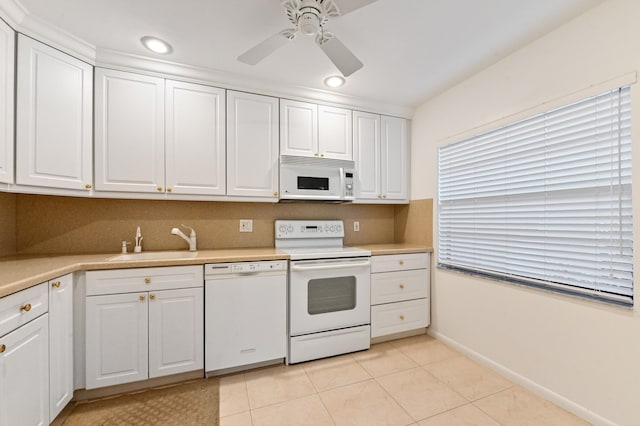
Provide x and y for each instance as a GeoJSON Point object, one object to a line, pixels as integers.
{"type": "Point", "coordinates": [21, 272]}
{"type": "Point", "coordinates": [391, 248]}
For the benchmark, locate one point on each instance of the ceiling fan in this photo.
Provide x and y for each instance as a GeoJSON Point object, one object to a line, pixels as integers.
{"type": "Point", "coordinates": [309, 18]}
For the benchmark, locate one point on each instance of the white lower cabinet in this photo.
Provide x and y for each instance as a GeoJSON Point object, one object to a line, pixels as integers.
{"type": "Point", "coordinates": [400, 293]}
{"type": "Point", "coordinates": [137, 335]}
{"type": "Point", "coordinates": [24, 358]}
{"type": "Point", "coordinates": [60, 344]}
{"type": "Point", "coordinates": [176, 327]}
{"type": "Point", "coordinates": [116, 339]}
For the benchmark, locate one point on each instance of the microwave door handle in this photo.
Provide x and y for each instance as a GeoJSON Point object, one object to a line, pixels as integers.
{"type": "Point", "coordinates": [343, 182]}
{"type": "Point", "coordinates": [326, 266]}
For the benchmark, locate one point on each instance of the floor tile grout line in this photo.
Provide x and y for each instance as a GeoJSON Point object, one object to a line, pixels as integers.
{"type": "Point", "coordinates": [333, 420]}
{"type": "Point", "coordinates": [396, 401]}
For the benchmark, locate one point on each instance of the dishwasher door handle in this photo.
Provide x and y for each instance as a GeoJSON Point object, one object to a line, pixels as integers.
{"type": "Point", "coordinates": [328, 266]}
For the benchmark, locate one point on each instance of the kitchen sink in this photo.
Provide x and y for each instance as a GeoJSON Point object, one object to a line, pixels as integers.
{"type": "Point", "coordinates": [155, 255]}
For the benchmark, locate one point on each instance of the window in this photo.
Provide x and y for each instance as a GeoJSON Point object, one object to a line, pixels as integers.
{"type": "Point", "coordinates": [545, 201]}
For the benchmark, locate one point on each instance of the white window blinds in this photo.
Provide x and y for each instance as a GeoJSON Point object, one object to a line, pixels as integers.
{"type": "Point", "coordinates": [545, 201]}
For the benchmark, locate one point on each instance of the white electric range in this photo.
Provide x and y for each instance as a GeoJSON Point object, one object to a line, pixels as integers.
{"type": "Point", "coordinates": [329, 290]}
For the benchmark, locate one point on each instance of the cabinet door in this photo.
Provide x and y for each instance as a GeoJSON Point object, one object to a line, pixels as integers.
{"type": "Point", "coordinates": [176, 331]}
{"type": "Point", "coordinates": [252, 145]}
{"type": "Point", "coordinates": [195, 139]}
{"type": "Point", "coordinates": [7, 52]}
{"type": "Point", "coordinates": [298, 128]}
{"type": "Point", "coordinates": [116, 339]}
{"type": "Point", "coordinates": [24, 373]}
{"type": "Point", "coordinates": [335, 134]}
{"type": "Point", "coordinates": [53, 118]}
{"type": "Point", "coordinates": [129, 132]}
{"type": "Point", "coordinates": [395, 158]}
{"type": "Point", "coordinates": [60, 344]}
{"type": "Point", "coordinates": [366, 141]}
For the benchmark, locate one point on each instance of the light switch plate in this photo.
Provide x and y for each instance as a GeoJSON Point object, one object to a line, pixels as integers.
{"type": "Point", "coordinates": [246, 225]}
{"type": "Point", "coordinates": [356, 226]}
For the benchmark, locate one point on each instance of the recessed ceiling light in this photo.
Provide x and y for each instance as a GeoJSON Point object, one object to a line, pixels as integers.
{"type": "Point", "coordinates": [156, 45]}
{"type": "Point", "coordinates": [334, 81]}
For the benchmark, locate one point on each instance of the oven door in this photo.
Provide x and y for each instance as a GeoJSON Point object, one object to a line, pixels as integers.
{"type": "Point", "coordinates": [328, 294]}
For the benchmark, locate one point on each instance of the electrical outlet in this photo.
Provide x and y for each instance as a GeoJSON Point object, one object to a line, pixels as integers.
{"type": "Point", "coordinates": [356, 226]}
{"type": "Point", "coordinates": [246, 225]}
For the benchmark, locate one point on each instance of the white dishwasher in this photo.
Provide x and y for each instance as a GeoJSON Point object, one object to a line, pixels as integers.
{"type": "Point", "coordinates": [245, 314]}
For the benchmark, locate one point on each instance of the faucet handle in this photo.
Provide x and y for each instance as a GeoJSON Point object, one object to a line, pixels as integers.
{"type": "Point", "coordinates": [193, 231]}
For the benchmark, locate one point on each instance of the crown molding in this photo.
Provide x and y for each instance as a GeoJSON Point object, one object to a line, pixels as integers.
{"type": "Point", "coordinates": [19, 17]}
{"type": "Point", "coordinates": [12, 12]}
{"type": "Point", "coordinates": [162, 68]}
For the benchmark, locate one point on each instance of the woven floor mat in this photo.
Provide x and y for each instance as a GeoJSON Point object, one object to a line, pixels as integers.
{"type": "Point", "coordinates": [192, 403]}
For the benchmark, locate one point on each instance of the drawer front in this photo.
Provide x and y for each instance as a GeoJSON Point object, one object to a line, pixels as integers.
{"type": "Point", "coordinates": [20, 308]}
{"type": "Point", "coordinates": [399, 262]}
{"type": "Point", "coordinates": [400, 316]}
{"type": "Point", "coordinates": [387, 287]}
{"type": "Point", "coordinates": [143, 279]}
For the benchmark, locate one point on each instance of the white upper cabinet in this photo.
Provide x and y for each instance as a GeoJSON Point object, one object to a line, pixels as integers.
{"type": "Point", "coordinates": [381, 151]}
{"type": "Point", "coordinates": [335, 134]}
{"type": "Point", "coordinates": [394, 143]}
{"type": "Point", "coordinates": [129, 132]}
{"type": "Point", "coordinates": [366, 141]}
{"type": "Point", "coordinates": [53, 118]}
{"type": "Point", "coordinates": [311, 130]}
{"type": "Point", "coordinates": [298, 128]}
{"type": "Point", "coordinates": [7, 54]}
{"type": "Point", "coordinates": [195, 139]}
{"type": "Point", "coordinates": [252, 145]}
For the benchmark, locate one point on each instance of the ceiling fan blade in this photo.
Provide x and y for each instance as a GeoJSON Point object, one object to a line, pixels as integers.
{"type": "Point", "coordinates": [346, 6]}
{"type": "Point", "coordinates": [267, 47]}
{"type": "Point", "coordinates": [339, 54]}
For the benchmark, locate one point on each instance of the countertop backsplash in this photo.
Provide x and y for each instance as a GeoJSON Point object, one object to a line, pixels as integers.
{"type": "Point", "coordinates": [38, 224]}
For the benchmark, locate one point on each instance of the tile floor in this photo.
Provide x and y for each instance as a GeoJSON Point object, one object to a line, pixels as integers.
{"type": "Point", "coordinates": [413, 381]}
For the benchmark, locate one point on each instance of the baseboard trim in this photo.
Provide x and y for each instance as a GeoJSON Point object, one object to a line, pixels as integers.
{"type": "Point", "coordinates": [525, 382]}
{"type": "Point", "coordinates": [401, 335]}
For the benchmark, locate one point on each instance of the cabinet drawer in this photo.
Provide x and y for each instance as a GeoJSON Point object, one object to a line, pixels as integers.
{"type": "Point", "coordinates": [20, 308]}
{"type": "Point", "coordinates": [399, 262]}
{"type": "Point", "coordinates": [143, 279]}
{"type": "Point", "coordinates": [400, 316]}
{"type": "Point", "coordinates": [389, 287]}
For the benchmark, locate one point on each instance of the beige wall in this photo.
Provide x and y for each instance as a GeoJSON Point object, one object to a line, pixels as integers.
{"type": "Point", "coordinates": [581, 354]}
{"type": "Point", "coordinates": [7, 224]}
{"type": "Point", "coordinates": [56, 225]}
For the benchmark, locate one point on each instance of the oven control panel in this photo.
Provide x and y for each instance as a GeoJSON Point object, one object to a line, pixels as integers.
{"type": "Point", "coordinates": [286, 229]}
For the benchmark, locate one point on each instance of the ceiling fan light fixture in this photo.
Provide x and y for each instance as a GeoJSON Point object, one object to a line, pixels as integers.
{"type": "Point", "coordinates": [334, 81]}
{"type": "Point", "coordinates": [156, 45]}
{"type": "Point", "coordinates": [308, 23]}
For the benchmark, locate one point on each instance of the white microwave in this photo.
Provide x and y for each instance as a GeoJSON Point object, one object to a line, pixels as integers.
{"type": "Point", "coordinates": [316, 179]}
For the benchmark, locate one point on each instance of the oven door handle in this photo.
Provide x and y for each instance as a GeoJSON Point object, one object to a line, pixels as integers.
{"type": "Point", "coordinates": [328, 266]}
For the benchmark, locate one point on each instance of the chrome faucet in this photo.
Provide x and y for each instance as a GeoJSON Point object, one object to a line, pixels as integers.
{"type": "Point", "coordinates": [191, 239]}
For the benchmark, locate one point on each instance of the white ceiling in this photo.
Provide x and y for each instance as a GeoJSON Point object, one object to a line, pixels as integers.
{"type": "Point", "coordinates": [411, 49]}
